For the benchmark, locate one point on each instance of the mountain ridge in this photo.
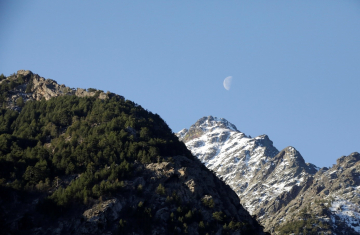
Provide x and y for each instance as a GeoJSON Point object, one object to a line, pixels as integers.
{"type": "Point", "coordinates": [266, 180]}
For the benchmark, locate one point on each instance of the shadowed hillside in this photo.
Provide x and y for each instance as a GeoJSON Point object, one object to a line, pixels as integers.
{"type": "Point", "coordinates": [75, 161]}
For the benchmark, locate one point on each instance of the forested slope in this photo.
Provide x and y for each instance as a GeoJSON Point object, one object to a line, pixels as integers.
{"type": "Point", "coordinates": [93, 164]}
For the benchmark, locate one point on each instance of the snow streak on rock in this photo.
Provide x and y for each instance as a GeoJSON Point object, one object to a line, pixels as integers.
{"type": "Point", "coordinates": [251, 166]}
{"type": "Point", "coordinates": [276, 186]}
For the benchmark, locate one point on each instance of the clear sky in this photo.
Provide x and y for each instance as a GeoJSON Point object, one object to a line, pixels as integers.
{"type": "Point", "coordinates": [295, 64]}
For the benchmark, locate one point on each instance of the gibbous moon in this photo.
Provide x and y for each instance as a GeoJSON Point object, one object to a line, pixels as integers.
{"type": "Point", "coordinates": [227, 82]}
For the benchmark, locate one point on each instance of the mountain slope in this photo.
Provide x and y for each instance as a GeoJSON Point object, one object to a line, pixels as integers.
{"type": "Point", "coordinates": [332, 200]}
{"type": "Point", "coordinates": [267, 181]}
{"type": "Point", "coordinates": [86, 162]}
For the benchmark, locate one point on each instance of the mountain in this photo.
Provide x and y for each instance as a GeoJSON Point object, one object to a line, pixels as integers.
{"type": "Point", "coordinates": [76, 161]}
{"type": "Point", "coordinates": [274, 185]}
{"type": "Point", "coordinates": [331, 201]}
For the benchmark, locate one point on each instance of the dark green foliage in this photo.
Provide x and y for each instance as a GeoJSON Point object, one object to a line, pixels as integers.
{"type": "Point", "coordinates": [208, 202]}
{"type": "Point", "coordinates": [309, 224]}
{"type": "Point", "coordinates": [20, 79]}
{"type": "Point", "coordinates": [235, 225]}
{"type": "Point", "coordinates": [77, 151]}
{"type": "Point", "coordinates": [99, 139]}
{"type": "Point", "coordinates": [20, 102]}
{"type": "Point", "coordinates": [183, 216]}
{"type": "Point", "coordinates": [122, 226]}
{"type": "Point", "coordinates": [2, 77]}
{"type": "Point", "coordinates": [6, 119]}
{"type": "Point", "coordinates": [91, 90]}
{"type": "Point", "coordinates": [140, 189]}
{"type": "Point", "coordinates": [29, 87]}
{"type": "Point", "coordinates": [160, 189]}
{"type": "Point", "coordinates": [173, 199]}
{"type": "Point", "coordinates": [143, 216]}
{"type": "Point", "coordinates": [219, 216]}
{"type": "Point", "coordinates": [8, 84]}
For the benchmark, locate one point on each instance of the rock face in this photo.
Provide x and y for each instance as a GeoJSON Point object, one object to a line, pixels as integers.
{"type": "Point", "coordinates": [108, 209]}
{"type": "Point", "coordinates": [269, 183]}
{"type": "Point", "coordinates": [35, 87]}
{"type": "Point", "coordinates": [188, 181]}
{"type": "Point", "coordinates": [333, 197]}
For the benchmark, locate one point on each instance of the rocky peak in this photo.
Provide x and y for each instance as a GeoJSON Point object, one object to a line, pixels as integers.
{"type": "Point", "coordinates": [24, 73]}
{"type": "Point", "coordinates": [182, 133]}
{"type": "Point", "coordinates": [33, 87]}
{"type": "Point", "coordinates": [263, 140]}
{"type": "Point", "coordinates": [279, 187]}
{"type": "Point", "coordinates": [331, 197]}
{"type": "Point", "coordinates": [207, 123]}
{"type": "Point", "coordinates": [348, 161]}
{"type": "Point", "coordinates": [263, 178]}
{"type": "Point", "coordinates": [291, 157]}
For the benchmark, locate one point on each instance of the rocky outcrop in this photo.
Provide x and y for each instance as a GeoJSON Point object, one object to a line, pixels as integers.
{"type": "Point", "coordinates": [332, 197]}
{"type": "Point", "coordinates": [104, 210]}
{"type": "Point", "coordinates": [186, 180]}
{"type": "Point", "coordinates": [35, 87]}
{"type": "Point", "coordinates": [100, 214]}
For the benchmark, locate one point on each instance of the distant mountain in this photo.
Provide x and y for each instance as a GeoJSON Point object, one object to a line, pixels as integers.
{"type": "Point", "coordinates": [277, 186]}
{"type": "Point", "coordinates": [76, 161]}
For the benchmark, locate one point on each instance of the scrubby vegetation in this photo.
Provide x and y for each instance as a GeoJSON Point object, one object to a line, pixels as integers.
{"type": "Point", "coordinates": [303, 226]}
{"type": "Point", "coordinates": [307, 224]}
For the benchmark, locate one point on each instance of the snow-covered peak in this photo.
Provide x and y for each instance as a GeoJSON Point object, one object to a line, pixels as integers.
{"type": "Point", "coordinates": [275, 185]}
{"type": "Point", "coordinates": [207, 125]}
{"type": "Point", "coordinates": [210, 122]}
{"type": "Point", "coordinates": [252, 167]}
{"type": "Point", "coordinates": [182, 133]}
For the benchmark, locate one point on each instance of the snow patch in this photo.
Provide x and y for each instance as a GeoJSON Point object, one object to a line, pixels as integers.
{"type": "Point", "coordinates": [347, 212]}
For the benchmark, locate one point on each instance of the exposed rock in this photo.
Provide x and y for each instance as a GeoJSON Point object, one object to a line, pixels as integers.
{"type": "Point", "coordinates": [275, 186]}
{"type": "Point", "coordinates": [104, 211]}
{"type": "Point", "coordinates": [191, 185]}
{"type": "Point", "coordinates": [24, 72]}
{"type": "Point", "coordinates": [45, 88]}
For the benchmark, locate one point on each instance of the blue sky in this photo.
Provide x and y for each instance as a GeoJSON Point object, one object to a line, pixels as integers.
{"type": "Point", "coordinates": [295, 64]}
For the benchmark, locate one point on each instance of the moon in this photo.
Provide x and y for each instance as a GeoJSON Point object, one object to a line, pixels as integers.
{"type": "Point", "coordinates": [227, 82]}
